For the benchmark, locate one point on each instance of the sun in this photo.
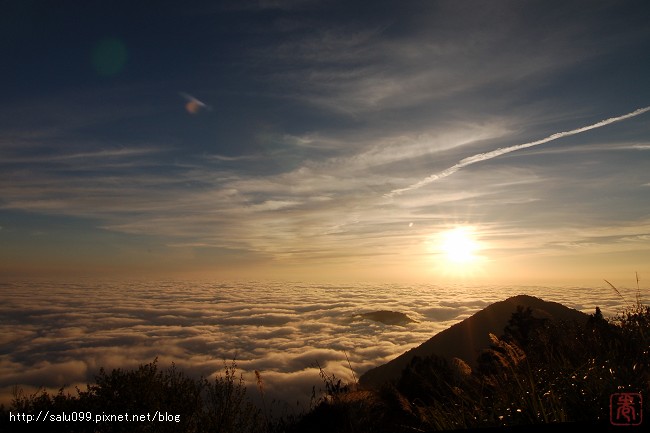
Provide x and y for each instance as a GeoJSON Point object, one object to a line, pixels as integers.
{"type": "Point", "coordinates": [459, 245]}
{"type": "Point", "coordinates": [457, 252]}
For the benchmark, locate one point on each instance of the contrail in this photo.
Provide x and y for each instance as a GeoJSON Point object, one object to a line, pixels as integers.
{"type": "Point", "coordinates": [503, 150]}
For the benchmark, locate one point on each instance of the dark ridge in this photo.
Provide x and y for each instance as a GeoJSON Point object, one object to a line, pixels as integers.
{"type": "Point", "coordinates": [388, 317]}
{"type": "Point", "coordinates": [466, 339]}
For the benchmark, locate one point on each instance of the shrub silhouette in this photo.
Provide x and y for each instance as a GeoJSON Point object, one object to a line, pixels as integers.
{"type": "Point", "coordinates": [202, 405]}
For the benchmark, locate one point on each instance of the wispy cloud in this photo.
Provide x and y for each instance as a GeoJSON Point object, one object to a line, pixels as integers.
{"type": "Point", "coordinates": [86, 156]}
{"type": "Point", "coordinates": [217, 157]}
{"type": "Point", "coordinates": [502, 151]}
{"type": "Point", "coordinates": [367, 104]}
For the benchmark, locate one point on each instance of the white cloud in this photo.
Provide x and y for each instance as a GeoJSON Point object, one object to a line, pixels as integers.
{"type": "Point", "coordinates": [66, 332]}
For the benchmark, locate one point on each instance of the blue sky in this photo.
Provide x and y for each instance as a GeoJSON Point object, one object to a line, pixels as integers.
{"type": "Point", "coordinates": [315, 112]}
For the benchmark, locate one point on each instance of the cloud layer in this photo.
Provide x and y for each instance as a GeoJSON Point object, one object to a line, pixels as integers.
{"type": "Point", "coordinates": [56, 334]}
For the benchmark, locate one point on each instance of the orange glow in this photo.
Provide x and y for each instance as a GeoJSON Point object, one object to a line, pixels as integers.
{"type": "Point", "coordinates": [193, 107]}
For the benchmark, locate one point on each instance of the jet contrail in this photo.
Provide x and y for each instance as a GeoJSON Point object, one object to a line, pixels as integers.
{"type": "Point", "coordinates": [503, 150]}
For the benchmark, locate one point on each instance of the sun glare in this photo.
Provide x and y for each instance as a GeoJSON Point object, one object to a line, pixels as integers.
{"type": "Point", "coordinates": [459, 246]}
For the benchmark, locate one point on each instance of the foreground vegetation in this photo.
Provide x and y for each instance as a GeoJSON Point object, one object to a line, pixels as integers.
{"type": "Point", "coordinates": [537, 372]}
{"type": "Point", "coordinates": [194, 405]}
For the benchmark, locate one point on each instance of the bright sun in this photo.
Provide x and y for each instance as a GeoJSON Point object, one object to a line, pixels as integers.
{"type": "Point", "coordinates": [459, 245]}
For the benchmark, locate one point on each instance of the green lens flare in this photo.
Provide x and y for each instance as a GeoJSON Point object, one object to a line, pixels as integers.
{"type": "Point", "coordinates": [109, 56]}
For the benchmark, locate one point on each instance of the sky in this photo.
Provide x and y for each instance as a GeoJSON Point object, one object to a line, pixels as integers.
{"type": "Point", "coordinates": [326, 140]}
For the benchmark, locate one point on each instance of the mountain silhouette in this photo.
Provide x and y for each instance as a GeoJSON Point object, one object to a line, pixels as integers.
{"type": "Point", "coordinates": [466, 339]}
{"type": "Point", "coordinates": [388, 317]}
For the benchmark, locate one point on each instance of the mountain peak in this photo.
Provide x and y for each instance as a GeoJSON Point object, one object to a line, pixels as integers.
{"type": "Point", "coordinates": [466, 339]}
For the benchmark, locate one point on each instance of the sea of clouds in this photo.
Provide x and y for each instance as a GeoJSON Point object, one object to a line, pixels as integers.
{"type": "Point", "coordinates": [55, 334]}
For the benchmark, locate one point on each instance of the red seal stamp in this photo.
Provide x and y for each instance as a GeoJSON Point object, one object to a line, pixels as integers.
{"type": "Point", "coordinates": [626, 408]}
